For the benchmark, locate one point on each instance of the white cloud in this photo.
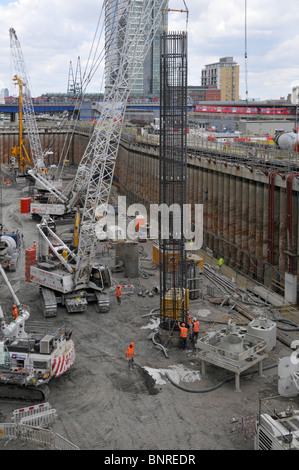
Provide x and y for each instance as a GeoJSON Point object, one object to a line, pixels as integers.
{"type": "Point", "coordinates": [217, 28]}
{"type": "Point", "coordinates": [53, 33]}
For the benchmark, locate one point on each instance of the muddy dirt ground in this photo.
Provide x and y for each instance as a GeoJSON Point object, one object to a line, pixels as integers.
{"type": "Point", "coordinates": [101, 404]}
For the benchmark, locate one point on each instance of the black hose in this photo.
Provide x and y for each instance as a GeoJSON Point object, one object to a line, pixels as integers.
{"type": "Point", "coordinates": [288, 322]}
{"type": "Point", "coordinates": [221, 322]}
{"type": "Point", "coordinates": [203, 390]}
{"type": "Point", "coordinates": [214, 387]}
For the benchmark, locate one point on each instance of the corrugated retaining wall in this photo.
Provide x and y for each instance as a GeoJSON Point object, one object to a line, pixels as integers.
{"type": "Point", "coordinates": [250, 214]}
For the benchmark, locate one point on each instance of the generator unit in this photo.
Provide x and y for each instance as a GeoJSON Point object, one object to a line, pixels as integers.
{"type": "Point", "coordinates": [10, 249]}
{"type": "Point", "coordinates": [277, 430]}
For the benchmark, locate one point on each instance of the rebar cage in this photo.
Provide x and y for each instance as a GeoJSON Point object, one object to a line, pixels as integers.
{"type": "Point", "coordinates": [173, 179]}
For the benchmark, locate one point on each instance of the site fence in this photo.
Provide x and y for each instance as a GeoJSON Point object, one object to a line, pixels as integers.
{"type": "Point", "coordinates": [32, 424]}
{"type": "Point", "coordinates": [233, 151]}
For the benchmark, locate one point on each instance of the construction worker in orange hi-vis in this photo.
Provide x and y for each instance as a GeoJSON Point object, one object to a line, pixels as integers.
{"type": "Point", "coordinates": [8, 181]}
{"type": "Point", "coordinates": [118, 294]}
{"type": "Point", "coordinates": [189, 319]}
{"type": "Point", "coordinates": [183, 335]}
{"type": "Point", "coordinates": [34, 244]}
{"type": "Point", "coordinates": [195, 330]}
{"type": "Point", "coordinates": [130, 355]}
{"type": "Point", "coordinates": [14, 312]}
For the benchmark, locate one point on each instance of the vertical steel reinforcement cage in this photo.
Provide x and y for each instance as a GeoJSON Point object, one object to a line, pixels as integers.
{"type": "Point", "coordinates": [173, 180]}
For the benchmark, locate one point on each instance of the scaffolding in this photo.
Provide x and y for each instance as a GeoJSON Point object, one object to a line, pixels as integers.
{"type": "Point", "coordinates": [173, 180]}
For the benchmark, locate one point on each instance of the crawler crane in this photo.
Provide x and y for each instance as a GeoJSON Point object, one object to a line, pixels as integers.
{"type": "Point", "coordinates": [125, 53]}
{"type": "Point", "coordinates": [73, 277]}
{"type": "Point", "coordinates": [39, 171]}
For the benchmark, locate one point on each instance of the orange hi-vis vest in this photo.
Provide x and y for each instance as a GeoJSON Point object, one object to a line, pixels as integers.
{"type": "Point", "coordinates": [118, 291]}
{"type": "Point", "coordinates": [130, 352]}
{"type": "Point", "coordinates": [15, 314]}
{"type": "Point", "coordinates": [184, 331]}
{"type": "Point", "coordinates": [196, 326]}
{"type": "Point", "coordinates": [189, 319]}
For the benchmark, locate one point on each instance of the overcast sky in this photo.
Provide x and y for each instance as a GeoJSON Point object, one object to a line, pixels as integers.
{"type": "Point", "coordinates": [54, 32]}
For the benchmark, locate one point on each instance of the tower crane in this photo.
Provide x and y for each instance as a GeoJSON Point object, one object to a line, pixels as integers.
{"type": "Point", "coordinates": [39, 170]}
{"type": "Point", "coordinates": [73, 278]}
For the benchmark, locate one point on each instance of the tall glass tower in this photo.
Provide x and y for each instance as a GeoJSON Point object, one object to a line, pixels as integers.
{"type": "Point", "coordinates": [147, 83]}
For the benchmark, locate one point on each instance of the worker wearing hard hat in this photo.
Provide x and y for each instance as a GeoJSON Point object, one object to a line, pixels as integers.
{"type": "Point", "coordinates": [183, 335]}
{"type": "Point", "coordinates": [130, 355]}
{"type": "Point", "coordinates": [14, 312]}
{"type": "Point", "coordinates": [195, 330]}
{"type": "Point", "coordinates": [118, 294]}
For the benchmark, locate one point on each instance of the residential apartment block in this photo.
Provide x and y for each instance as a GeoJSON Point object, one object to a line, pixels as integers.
{"type": "Point", "coordinates": [224, 76]}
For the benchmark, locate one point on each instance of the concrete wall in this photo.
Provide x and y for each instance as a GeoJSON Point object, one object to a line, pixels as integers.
{"type": "Point", "coordinates": [60, 142]}
{"type": "Point", "coordinates": [235, 199]}
{"type": "Point", "coordinates": [264, 127]}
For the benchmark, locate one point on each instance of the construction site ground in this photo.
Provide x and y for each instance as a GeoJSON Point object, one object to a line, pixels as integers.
{"type": "Point", "coordinates": [101, 404]}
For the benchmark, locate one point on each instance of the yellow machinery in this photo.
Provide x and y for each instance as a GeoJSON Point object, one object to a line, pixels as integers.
{"type": "Point", "coordinates": [77, 228]}
{"type": "Point", "coordinates": [20, 153]}
{"type": "Point", "coordinates": [172, 258]}
{"type": "Point", "coordinates": [175, 303]}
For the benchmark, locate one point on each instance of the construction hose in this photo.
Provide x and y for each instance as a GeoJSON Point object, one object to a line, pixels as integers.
{"type": "Point", "coordinates": [203, 390]}
{"type": "Point", "coordinates": [158, 344]}
{"type": "Point", "coordinates": [214, 322]}
{"type": "Point", "coordinates": [288, 322]}
{"type": "Point", "coordinates": [214, 387]}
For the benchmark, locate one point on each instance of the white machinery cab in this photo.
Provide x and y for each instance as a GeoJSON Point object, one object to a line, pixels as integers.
{"type": "Point", "coordinates": [100, 277]}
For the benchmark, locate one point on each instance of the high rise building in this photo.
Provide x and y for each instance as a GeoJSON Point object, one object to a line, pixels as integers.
{"type": "Point", "coordinates": [147, 82]}
{"type": "Point", "coordinates": [224, 75]}
{"type": "Point", "coordinates": [5, 92]}
{"type": "Point", "coordinates": [295, 95]}
{"type": "Point", "coordinates": [151, 67]}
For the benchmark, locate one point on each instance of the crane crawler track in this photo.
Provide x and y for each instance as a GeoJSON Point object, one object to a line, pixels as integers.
{"type": "Point", "coordinates": [24, 393]}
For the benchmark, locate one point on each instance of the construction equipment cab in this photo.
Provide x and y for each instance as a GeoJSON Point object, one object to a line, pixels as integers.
{"type": "Point", "coordinates": [100, 277]}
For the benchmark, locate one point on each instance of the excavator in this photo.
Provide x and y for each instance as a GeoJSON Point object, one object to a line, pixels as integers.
{"type": "Point", "coordinates": [30, 359]}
